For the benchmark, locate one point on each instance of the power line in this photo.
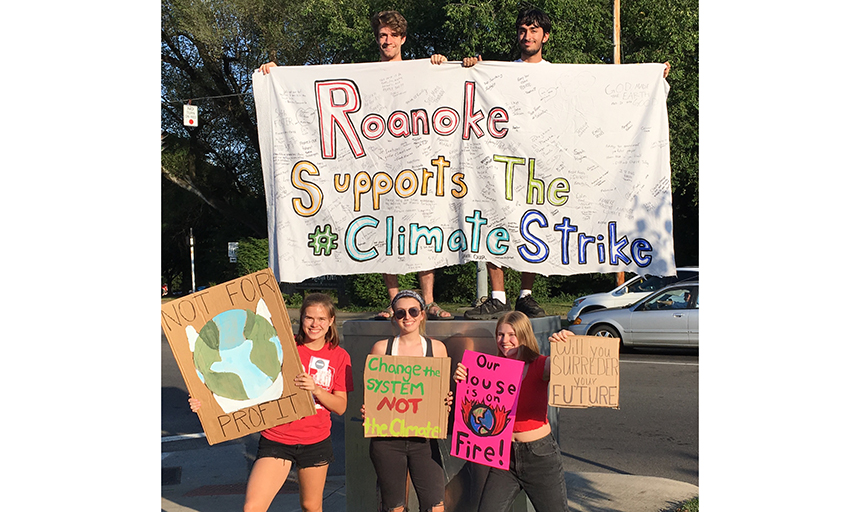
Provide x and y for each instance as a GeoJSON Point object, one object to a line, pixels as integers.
{"type": "Point", "coordinates": [189, 100]}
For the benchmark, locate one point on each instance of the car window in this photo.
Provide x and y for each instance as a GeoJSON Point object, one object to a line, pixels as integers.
{"type": "Point", "coordinates": [652, 283]}
{"type": "Point", "coordinates": [676, 298]}
{"type": "Point", "coordinates": [686, 275]}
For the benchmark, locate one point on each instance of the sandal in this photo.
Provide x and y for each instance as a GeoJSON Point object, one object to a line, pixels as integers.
{"type": "Point", "coordinates": [386, 314]}
{"type": "Point", "coordinates": [434, 312]}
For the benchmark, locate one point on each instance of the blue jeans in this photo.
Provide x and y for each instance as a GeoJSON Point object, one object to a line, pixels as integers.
{"type": "Point", "coordinates": [536, 469]}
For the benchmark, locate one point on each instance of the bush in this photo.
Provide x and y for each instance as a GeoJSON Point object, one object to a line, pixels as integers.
{"type": "Point", "coordinates": [252, 255]}
{"type": "Point", "coordinates": [455, 284]}
{"type": "Point", "coordinates": [368, 290]}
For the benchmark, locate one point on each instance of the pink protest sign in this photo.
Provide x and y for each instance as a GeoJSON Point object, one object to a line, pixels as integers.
{"type": "Point", "coordinates": [484, 409]}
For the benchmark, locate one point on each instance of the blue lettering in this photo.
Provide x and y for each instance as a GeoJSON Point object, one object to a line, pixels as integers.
{"type": "Point", "coordinates": [352, 232]}
{"type": "Point", "coordinates": [541, 251]}
{"type": "Point", "coordinates": [637, 248]}
{"type": "Point", "coordinates": [565, 228]}
{"type": "Point", "coordinates": [616, 247]}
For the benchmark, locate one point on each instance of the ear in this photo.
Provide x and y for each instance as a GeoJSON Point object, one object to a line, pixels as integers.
{"type": "Point", "coordinates": [545, 38]}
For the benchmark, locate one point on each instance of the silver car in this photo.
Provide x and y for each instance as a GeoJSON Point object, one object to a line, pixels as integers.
{"type": "Point", "coordinates": [631, 291]}
{"type": "Point", "coordinates": [666, 318]}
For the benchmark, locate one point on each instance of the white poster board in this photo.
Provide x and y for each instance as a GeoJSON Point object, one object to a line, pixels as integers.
{"type": "Point", "coordinates": [395, 167]}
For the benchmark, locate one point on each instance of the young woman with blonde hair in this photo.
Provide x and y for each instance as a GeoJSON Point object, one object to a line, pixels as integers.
{"type": "Point", "coordinates": [535, 459]}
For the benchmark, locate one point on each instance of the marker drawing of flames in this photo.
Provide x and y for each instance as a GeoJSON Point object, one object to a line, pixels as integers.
{"type": "Point", "coordinates": [484, 420]}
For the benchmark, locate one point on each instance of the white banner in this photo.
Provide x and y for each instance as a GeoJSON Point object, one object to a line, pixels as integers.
{"type": "Point", "coordinates": [404, 166]}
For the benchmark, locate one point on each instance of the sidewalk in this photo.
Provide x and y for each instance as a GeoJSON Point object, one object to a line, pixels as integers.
{"type": "Point", "coordinates": [213, 478]}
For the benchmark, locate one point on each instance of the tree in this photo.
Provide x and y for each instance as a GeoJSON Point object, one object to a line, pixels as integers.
{"type": "Point", "coordinates": [668, 30]}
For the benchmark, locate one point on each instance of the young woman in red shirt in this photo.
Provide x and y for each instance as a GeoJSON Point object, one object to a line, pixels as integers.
{"type": "Point", "coordinates": [305, 442]}
{"type": "Point", "coordinates": [535, 457]}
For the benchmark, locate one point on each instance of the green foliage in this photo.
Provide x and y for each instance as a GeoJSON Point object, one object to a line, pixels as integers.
{"type": "Point", "coordinates": [691, 505]}
{"type": "Point", "coordinates": [456, 284]}
{"type": "Point", "coordinates": [668, 30]}
{"type": "Point", "coordinates": [252, 255]}
{"type": "Point", "coordinates": [368, 290]}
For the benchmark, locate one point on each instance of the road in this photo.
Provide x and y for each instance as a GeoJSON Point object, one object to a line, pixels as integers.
{"type": "Point", "coordinates": [655, 432]}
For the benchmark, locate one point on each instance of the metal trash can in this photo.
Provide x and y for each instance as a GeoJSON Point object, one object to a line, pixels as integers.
{"type": "Point", "coordinates": [465, 480]}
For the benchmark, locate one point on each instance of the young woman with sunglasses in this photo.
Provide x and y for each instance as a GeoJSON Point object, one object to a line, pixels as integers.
{"type": "Point", "coordinates": [305, 442]}
{"type": "Point", "coordinates": [393, 456]}
{"type": "Point", "coordinates": [535, 465]}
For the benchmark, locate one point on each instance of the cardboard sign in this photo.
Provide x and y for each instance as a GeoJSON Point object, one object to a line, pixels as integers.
{"type": "Point", "coordinates": [484, 409]}
{"type": "Point", "coordinates": [234, 345]}
{"type": "Point", "coordinates": [584, 372]}
{"type": "Point", "coordinates": [405, 396]}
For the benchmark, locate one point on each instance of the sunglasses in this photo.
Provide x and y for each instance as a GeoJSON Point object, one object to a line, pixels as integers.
{"type": "Point", "coordinates": [400, 314]}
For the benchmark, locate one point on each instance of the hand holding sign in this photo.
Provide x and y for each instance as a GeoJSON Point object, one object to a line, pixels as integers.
{"type": "Point", "coordinates": [487, 393]}
{"type": "Point", "coordinates": [584, 371]}
{"type": "Point", "coordinates": [406, 396]}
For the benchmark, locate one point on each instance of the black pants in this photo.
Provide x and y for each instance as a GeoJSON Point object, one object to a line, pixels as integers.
{"type": "Point", "coordinates": [393, 456]}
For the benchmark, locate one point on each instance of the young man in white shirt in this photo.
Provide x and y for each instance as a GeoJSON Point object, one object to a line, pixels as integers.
{"type": "Point", "coordinates": [389, 29]}
{"type": "Point", "coordinates": [533, 29]}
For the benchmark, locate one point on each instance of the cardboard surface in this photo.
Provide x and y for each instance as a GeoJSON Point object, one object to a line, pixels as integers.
{"type": "Point", "coordinates": [584, 372]}
{"type": "Point", "coordinates": [405, 396]}
{"type": "Point", "coordinates": [484, 409]}
{"type": "Point", "coordinates": [234, 345]}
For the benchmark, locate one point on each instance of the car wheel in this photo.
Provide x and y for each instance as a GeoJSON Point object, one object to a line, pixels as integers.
{"type": "Point", "coordinates": [605, 331]}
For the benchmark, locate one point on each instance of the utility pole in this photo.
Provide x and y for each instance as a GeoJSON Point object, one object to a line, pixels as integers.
{"type": "Point", "coordinates": [616, 59]}
{"type": "Point", "coordinates": [481, 275]}
{"type": "Point", "coordinates": [616, 31]}
{"type": "Point", "coordinates": [191, 243]}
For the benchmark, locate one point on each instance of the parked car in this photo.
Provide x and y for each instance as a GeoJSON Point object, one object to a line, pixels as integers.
{"type": "Point", "coordinates": [629, 292]}
{"type": "Point", "coordinates": [666, 318]}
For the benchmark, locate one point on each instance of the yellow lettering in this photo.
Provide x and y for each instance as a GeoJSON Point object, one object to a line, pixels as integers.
{"type": "Point", "coordinates": [313, 191]}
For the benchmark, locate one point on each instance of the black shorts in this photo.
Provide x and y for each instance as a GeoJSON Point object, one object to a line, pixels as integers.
{"type": "Point", "coordinates": [301, 455]}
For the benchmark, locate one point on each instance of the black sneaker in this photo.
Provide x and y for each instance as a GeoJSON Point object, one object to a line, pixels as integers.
{"type": "Point", "coordinates": [490, 309]}
{"type": "Point", "coordinates": [529, 306]}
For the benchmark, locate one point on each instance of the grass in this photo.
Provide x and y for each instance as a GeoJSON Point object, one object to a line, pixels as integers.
{"type": "Point", "coordinates": [691, 505]}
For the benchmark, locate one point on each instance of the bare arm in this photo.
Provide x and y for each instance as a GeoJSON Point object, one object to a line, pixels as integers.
{"type": "Point", "coordinates": [439, 348]}
{"type": "Point", "coordinates": [333, 401]}
{"type": "Point", "coordinates": [379, 347]}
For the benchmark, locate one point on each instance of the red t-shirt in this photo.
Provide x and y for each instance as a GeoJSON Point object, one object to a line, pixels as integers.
{"type": "Point", "coordinates": [331, 370]}
{"type": "Point", "coordinates": [532, 402]}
